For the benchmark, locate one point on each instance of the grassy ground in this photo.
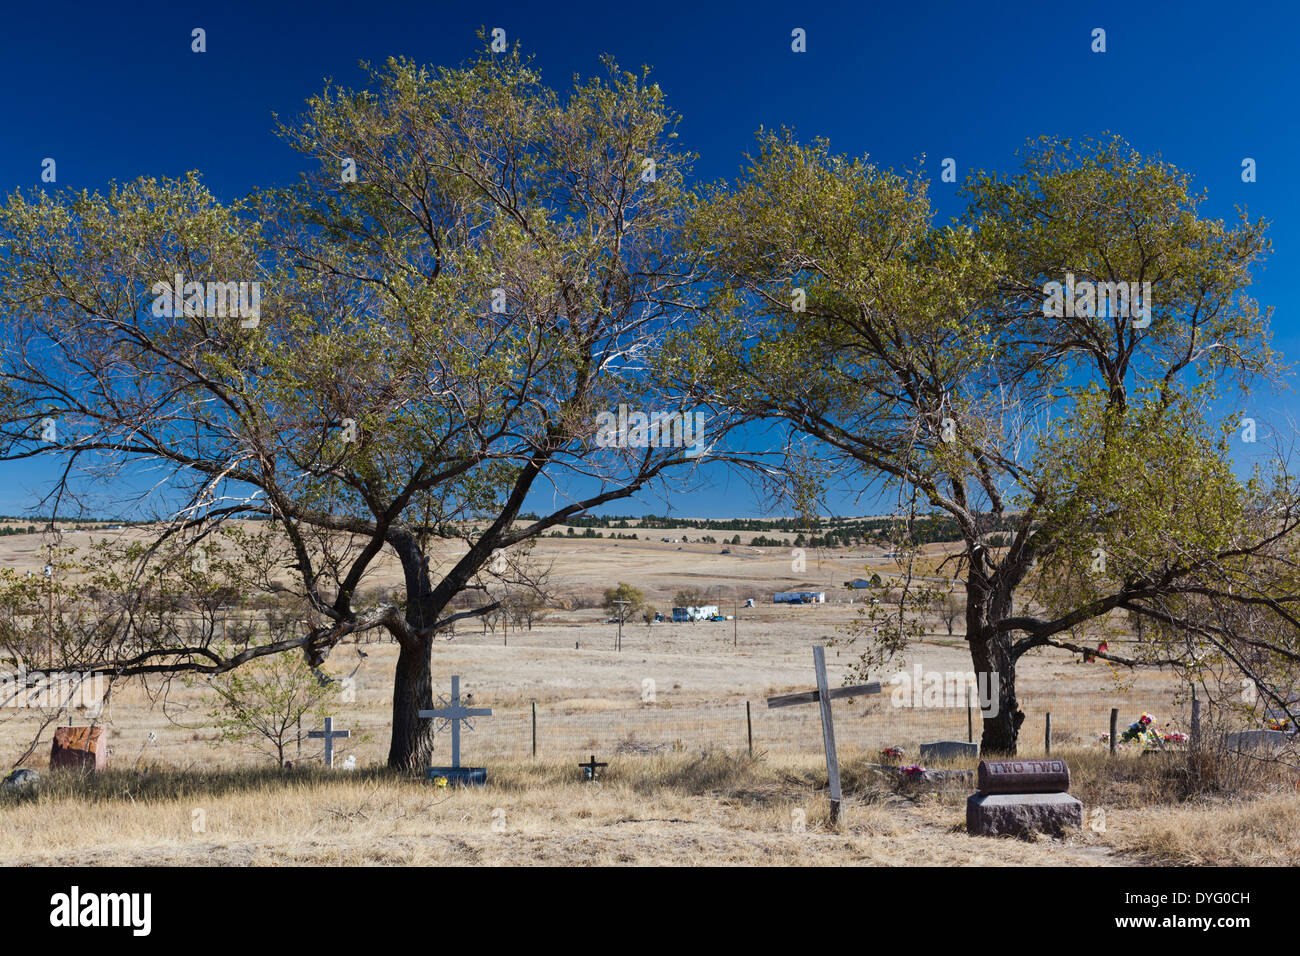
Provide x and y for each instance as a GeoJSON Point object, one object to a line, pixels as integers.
{"type": "Point", "coordinates": [661, 802]}
{"type": "Point", "coordinates": [592, 698]}
{"type": "Point", "coordinates": [671, 809]}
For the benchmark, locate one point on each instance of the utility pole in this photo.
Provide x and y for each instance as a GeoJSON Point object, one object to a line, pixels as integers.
{"type": "Point", "coordinates": [621, 605]}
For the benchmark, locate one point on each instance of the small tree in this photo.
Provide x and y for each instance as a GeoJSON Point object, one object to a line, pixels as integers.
{"type": "Point", "coordinates": [690, 597]}
{"type": "Point", "coordinates": [951, 608]}
{"type": "Point", "coordinates": [624, 592]}
{"type": "Point", "coordinates": [526, 607]}
{"type": "Point", "coordinates": [262, 703]}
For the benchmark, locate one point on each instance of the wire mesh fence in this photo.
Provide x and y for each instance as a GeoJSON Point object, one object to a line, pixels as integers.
{"type": "Point", "coordinates": [623, 723]}
{"type": "Point", "coordinates": [864, 725]}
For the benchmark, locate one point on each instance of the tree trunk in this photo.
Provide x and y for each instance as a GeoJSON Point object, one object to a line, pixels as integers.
{"type": "Point", "coordinates": [995, 675]}
{"type": "Point", "coordinates": [995, 669]}
{"type": "Point", "coordinates": [412, 742]}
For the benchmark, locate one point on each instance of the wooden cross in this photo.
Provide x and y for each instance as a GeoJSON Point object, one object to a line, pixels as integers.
{"type": "Point", "coordinates": [453, 712]}
{"type": "Point", "coordinates": [591, 767]}
{"type": "Point", "coordinates": [329, 733]}
{"type": "Point", "coordinates": [823, 696]}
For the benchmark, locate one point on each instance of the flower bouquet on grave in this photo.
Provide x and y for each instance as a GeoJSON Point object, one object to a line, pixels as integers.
{"type": "Point", "coordinates": [891, 754]}
{"type": "Point", "coordinates": [1279, 723]}
{"type": "Point", "coordinates": [1177, 738]}
{"type": "Point", "coordinates": [912, 771]}
{"type": "Point", "coordinates": [1143, 731]}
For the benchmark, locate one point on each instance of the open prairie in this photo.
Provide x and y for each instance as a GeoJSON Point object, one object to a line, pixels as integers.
{"type": "Point", "coordinates": [672, 714]}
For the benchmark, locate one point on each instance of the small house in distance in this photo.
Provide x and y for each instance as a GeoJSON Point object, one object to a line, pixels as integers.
{"type": "Point", "coordinates": [799, 597]}
{"type": "Point", "coordinates": [859, 584]}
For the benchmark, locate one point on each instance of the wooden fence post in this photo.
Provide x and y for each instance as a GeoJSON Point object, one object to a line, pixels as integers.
{"type": "Point", "coordinates": [749, 727]}
{"type": "Point", "coordinates": [1114, 731]}
{"type": "Point", "coordinates": [534, 728]}
{"type": "Point", "coordinates": [1047, 735]}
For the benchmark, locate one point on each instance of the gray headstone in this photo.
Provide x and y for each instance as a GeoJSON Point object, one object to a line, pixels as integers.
{"type": "Point", "coordinates": [1016, 814]}
{"type": "Point", "coordinates": [944, 750]}
{"type": "Point", "coordinates": [1256, 739]}
{"type": "Point", "coordinates": [21, 780]}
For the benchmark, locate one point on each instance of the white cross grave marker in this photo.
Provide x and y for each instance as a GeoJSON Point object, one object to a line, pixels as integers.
{"type": "Point", "coordinates": [329, 733]}
{"type": "Point", "coordinates": [823, 696]}
{"type": "Point", "coordinates": [453, 712]}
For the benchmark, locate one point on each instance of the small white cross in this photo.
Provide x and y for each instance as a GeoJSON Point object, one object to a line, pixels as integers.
{"type": "Point", "coordinates": [329, 733]}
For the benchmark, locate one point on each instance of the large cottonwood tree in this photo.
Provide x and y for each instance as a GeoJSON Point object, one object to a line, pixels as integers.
{"type": "Point", "coordinates": [927, 360]}
{"type": "Point", "coordinates": [472, 269]}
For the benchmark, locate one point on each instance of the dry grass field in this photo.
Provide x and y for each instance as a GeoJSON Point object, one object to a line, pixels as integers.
{"type": "Point", "coordinates": [668, 714]}
{"type": "Point", "coordinates": [673, 810]}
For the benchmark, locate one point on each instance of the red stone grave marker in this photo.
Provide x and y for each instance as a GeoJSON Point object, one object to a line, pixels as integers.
{"type": "Point", "coordinates": [79, 748]}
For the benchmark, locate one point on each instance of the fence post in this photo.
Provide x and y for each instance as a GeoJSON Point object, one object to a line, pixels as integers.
{"type": "Point", "coordinates": [534, 728]}
{"type": "Point", "coordinates": [749, 727]}
{"type": "Point", "coordinates": [1047, 735]}
{"type": "Point", "coordinates": [970, 724]}
{"type": "Point", "coordinates": [1195, 739]}
{"type": "Point", "coordinates": [1114, 730]}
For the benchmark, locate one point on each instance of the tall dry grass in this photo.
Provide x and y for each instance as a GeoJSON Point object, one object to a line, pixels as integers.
{"type": "Point", "coordinates": [655, 809]}
{"type": "Point", "coordinates": [1263, 831]}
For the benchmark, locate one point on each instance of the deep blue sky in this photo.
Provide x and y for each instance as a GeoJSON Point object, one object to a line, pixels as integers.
{"type": "Point", "coordinates": [113, 92]}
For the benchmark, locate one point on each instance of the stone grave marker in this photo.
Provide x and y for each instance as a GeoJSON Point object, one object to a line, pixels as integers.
{"type": "Point", "coordinates": [943, 750]}
{"type": "Point", "coordinates": [1015, 797]}
{"type": "Point", "coordinates": [1256, 740]}
{"type": "Point", "coordinates": [21, 779]}
{"type": "Point", "coordinates": [79, 748]}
